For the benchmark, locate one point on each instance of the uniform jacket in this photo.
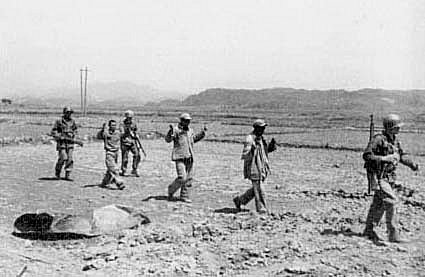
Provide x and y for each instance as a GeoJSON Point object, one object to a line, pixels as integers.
{"type": "Point", "coordinates": [382, 145]}
{"type": "Point", "coordinates": [111, 140]}
{"type": "Point", "coordinates": [64, 128]}
{"type": "Point", "coordinates": [128, 129]}
{"type": "Point", "coordinates": [255, 155]}
{"type": "Point", "coordinates": [183, 142]}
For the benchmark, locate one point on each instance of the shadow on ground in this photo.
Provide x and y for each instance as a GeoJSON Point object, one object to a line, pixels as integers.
{"type": "Point", "coordinates": [50, 236]}
{"type": "Point", "coordinates": [156, 197]}
{"type": "Point", "coordinates": [230, 210]}
{"type": "Point", "coordinates": [350, 233]}
{"type": "Point", "coordinates": [55, 179]}
{"type": "Point", "coordinates": [102, 187]}
{"type": "Point", "coordinates": [48, 179]}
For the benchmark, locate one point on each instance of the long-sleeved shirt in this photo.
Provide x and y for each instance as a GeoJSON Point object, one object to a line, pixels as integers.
{"type": "Point", "coordinates": [63, 129]}
{"type": "Point", "coordinates": [183, 142]}
{"type": "Point", "coordinates": [255, 155]}
{"type": "Point", "coordinates": [128, 129]}
{"type": "Point", "coordinates": [111, 140]}
{"type": "Point", "coordinates": [382, 145]}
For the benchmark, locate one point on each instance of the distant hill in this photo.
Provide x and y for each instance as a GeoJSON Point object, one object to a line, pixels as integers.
{"type": "Point", "coordinates": [112, 94]}
{"type": "Point", "coordinates": [289, 99]}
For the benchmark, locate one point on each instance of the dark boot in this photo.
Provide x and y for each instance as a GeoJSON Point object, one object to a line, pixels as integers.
{"type": "Point", "coordinates": [394, 236]}
{"type": "Point", "coordinates": [370, 234]}
{"type": "Point", "coordinates": [135, 173]}
{"type": "Point", "coordinates": [58, 175]}
{"type": "Point", "coordinates": [237, 203]}
{"type": "Point", "coordinates": [120, 186]}
{"type": "Point", "coordinates": [68, 176]}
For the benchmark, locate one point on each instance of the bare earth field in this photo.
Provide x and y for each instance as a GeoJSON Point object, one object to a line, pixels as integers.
{"type": "Point", "coordinates": [317, 198]}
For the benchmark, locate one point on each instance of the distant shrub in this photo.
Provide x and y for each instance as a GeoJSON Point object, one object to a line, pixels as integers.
{"type": "Point", "coordinates": [6, 101]}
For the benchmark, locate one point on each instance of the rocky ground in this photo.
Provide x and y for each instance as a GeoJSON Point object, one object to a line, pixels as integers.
{"type": "Point", "coordinates": [317, 199]}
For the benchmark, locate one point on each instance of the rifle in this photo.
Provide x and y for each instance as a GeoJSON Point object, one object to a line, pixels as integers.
{"type": "Point", "coordinates": [369, 171]}
{"type": "Point", "coordinates": [138, 143]}
{"type": "Point", "coordinates": [67, 139]}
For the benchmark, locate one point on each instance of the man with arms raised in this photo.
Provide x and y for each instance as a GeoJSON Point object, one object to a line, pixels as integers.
{"type": "Point", "coordinates": [183, 138]}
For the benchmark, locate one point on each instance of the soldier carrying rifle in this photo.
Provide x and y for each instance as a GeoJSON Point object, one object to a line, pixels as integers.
{"type": "Point", "coordinates": [64, 132]}
{"type": "Point", "coordinates": [130, 143]}
{"type": "Point", "coordinates": [382, 156]}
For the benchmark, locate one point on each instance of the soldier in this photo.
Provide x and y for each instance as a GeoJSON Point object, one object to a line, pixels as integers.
{"type": "Point", "coordinates": [111, 139]}
{"type": "Point", "coordinates": [128, 143]}
{"type": "Point", "coordinates": [183, 138]}
{"type": "Point", "coordinates": [256, 166]}
{"type": "Point", "coordinates": [64, 131]}
{"type": "Point", "coordinates": [381, 157]}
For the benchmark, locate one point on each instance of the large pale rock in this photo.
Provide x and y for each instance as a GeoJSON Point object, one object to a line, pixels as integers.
{"type": "Point", "coordinates": [102, 220]}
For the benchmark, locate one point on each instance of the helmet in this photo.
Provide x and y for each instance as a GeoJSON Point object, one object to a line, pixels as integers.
{"type": "Point", "coordinates": [391, 121]}
{"type": "Point", "coordinates": [185, 116]}
{"type": "Point", "coordinates": [129, 113]}
{"type": "Point", "coordinates": [259, 123]}
{"type": "Point", "coordinates": [67, 109]}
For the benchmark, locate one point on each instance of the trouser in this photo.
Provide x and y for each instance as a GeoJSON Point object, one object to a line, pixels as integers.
{"type": "Point", "coordinates": [384, 201]}
{"type": "Point", "coordinates": [184, 176]}
{"type": "Point", "coordinates": [64, 158]}
{"type": "Point", "coordinates": [256, 192]}
{"type": "Point", "coordinates": [125, 149]}
{"type": "Point", "coordinates": [111, 175]}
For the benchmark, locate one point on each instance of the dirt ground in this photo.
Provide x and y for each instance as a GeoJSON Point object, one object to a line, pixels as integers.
{"type": "Point", "coordinates": [316, 197]}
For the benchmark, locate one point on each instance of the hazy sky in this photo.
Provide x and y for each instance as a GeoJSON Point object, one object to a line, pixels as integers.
{"type": "Point", "coordinates": [192, 45]}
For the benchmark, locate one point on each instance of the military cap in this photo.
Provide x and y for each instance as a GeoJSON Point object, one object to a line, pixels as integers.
{"type": "Point", "coordinates": [185, 116]}
{"type": "Point", "coordinates": [67, 109]}
{"type": "Point", "coordinates": [129, 113]}
{"type": "Point", "coordinates": [259, 123]}
{"type": "Point", "coordinates": [392, 121]}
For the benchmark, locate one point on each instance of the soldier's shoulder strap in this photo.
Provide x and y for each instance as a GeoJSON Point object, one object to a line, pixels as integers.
{"type": "Point", "coordinates": [378, 137]}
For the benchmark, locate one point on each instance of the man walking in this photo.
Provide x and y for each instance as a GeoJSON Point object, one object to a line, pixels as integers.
{"type": "Point", "coordinates": [64, 132]}
{"type": "Point", "coordinates": [256, 166]}
{"type": "Point", "coordinates": [111, 138]}
{"type": "Point", "coordinates": [381, 157]}
{"type": "Point", "coordinates": [129, 144]}
{"type": "Point", "coordinates": [183, 138]}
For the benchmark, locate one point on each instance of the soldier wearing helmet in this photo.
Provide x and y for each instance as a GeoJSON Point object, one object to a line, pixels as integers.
{"type": "Point", "coordinates": [382, 156]}
{"type": "Point", "coordinates": [128, 144]}
{"type": "Point", "coordinates": [64, 131]}
{"type": "Point", "coordinates": [184, 138]}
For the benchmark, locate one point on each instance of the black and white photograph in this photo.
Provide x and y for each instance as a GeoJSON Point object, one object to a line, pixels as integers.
{"type": "Point", "coordinates": [212, 138]}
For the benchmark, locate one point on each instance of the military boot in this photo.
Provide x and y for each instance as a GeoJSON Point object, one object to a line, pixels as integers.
{"type": "Point", "coordinates": [370, 234]}
{"type": "Point", "coordinates": [394, 236]}
{"type": "Point", "coordinates": [68, 176]}
{"type": "Point", "coordinates": [135, 173]}
{"type": "Point", "coordinates": [237, 203]}
{"type": "Point", "coordinates": [58, 175]}
{"type": "Point", "coordinates": [120, 185]}
{"type": "Point", "coordinates": [105, 181]}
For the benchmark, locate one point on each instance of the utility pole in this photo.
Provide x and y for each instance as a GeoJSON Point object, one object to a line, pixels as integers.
{"type": "Point", "coordinates": [83, 95]}
{"type": "Point", "coordinates": [81, 90]}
